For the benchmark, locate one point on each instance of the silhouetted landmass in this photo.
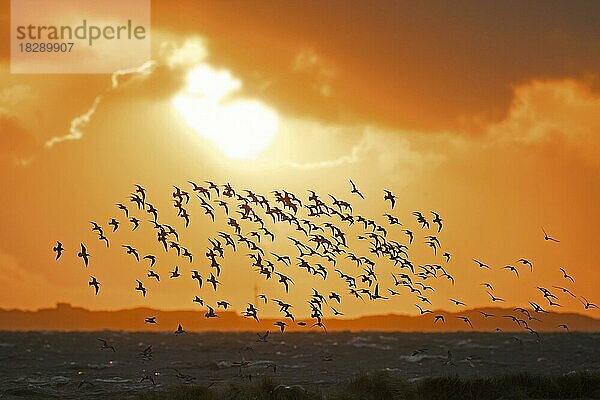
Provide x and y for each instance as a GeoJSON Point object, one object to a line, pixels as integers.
{"type": "Point", "coordinates": [64, 317]}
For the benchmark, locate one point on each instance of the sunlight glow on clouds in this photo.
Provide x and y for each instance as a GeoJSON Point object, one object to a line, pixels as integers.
{"type": "Point", "coordinates": [309, 62]}
{"type": "Point", "coordinates": [80, 122]}
{"type": "Point", "coordinates": [546, 111]}
{"type": "Point", "coordinates": [239, 128]}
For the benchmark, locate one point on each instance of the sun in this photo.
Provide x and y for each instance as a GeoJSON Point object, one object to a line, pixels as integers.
{"type": "Point", "coordinates": [239, 128]}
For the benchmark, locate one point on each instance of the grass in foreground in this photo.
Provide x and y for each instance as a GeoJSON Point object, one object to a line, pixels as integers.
{"type": "Point", "coordinates": [382, 386]}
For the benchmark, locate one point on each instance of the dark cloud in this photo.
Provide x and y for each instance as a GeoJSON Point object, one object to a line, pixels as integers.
{"type": "Point", "coordinates": [409, 64]}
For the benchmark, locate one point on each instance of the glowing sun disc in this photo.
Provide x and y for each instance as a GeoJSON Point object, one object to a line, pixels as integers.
{"type": "Point", "coordinates": [239, 128]}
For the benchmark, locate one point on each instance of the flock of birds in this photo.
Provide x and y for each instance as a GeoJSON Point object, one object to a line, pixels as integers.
{"type": "Point", "coordinates": [325, 247]}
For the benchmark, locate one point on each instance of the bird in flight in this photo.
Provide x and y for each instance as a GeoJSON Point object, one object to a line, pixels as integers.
{"type": "Point", "coordinates": [106, 346]}
{"type": "Point", "coordinates": [125, 210]}
{"type": "Point", "coordinates": [449, 358]}
{"type": "Point", "coordinates": [526, 262]}
{"type": "Point", "coordinates": [481, 264]}
{"type": "Point", "coordinates": [421, 219]}
{"type": "Point", "coordinates": [586, 304]}
{"type": "Point", "coordinates": [567, 276]}
{"type": "Point", "coordinates": [494, 298]}
{"type": "Point", "coordinates": [422, 311]}
{"type": "Point", "coordinates": [151, 258]}
{"type": "Point", "coordinates": [102, 237]}
{"type": "Point", "coordinates": [199, 300]}
{"type": "Point", "coordinates": [284, 259]}
{"type": "Point", "coordinates": [132, 251]}
{"type": "Point", "coordinates": [437, 220]}
{"type": "Point", "coordinates": [179, 330]}
{"type": "Point", "coordinates": [135, 222]}
{"type": "Point", "coordinates": [546, 237]}
{"type": "Point", "coordinates": [446, 255]}
{"type": "Point", "coordinates": [390, 196]}
{"type": "Point", "coordinates": [355, 190]}
{"type": "Point", "coordinates": [196, 275]}
{"type": "Point", "coordinates": [213, 280]}
{"type": "Point", "coordinates": [281, 325]}
{"type": "Point", "coordinates": [457, 302]}
{"type": "Point", "coordinates": [565, 290]}
{"type": "Point", "coordinates": [58, 249]}
{"type": "Point", "coordinates": [175, 273]}
{"type": "Point", "coordinates": [96, 227]}
{"type": "Point", "coordinates": [223, 304]}
{"type": "Point", "coordinates": [410, 236]}
{"type": "Point", "coordinates": [114, 223]}
{"type": "Point", "coordinates": [152, 274]}
{"type": "Point", "coordinates": [511, 268]}
{"type": "Point", "coordinates": [262, 337]}
{"type": "Point", "coordinates": [95, 284]}
{"type": "Point", "coordinates": [466, 320]}
{"type": "Point", "coordinates": [284, 279]}
{"type": "Point", "coordinates": [210, 313]}
{"type": "Point", "coordinates": [140, 287]}
{"type": "Point", "coordinates": [83, 254]}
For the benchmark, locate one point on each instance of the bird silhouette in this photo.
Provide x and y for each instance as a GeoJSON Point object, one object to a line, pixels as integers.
{"type": "Point", "coordinates": [179, 330]}
{"type": "Point", "coordinates": [548, 238]}
{"type": "Point", "coordinates": [465, 320]}
{"type": "Point", "coordinates": [481, 264]}
{"type": "Point", "coordinates": [152, 274]}
{"type": "Point", "coordinates": [151, 258]}
{"type": "Point", "coordinates": [210, 313]}
{"type": "Point", "coordinates": [106, 346]}
{"type": "Point", "coordinates": [124, 209]}
{"type": "Point", "coordinates": [58, 249]}
{"type": "Point", "coordinates": [437, 220]}
{"type": "Point", "coordinates": [132, 251]}
{"type": "Point", "coordinates": [198, 300]}
{"type": "Point", "coordinates": [135, 222]}
{"type": "Point", "coordinates": [196, 275]}
{"type": "Point", "coordinates": [223, 304]}
{"type": "Point", "coordinates": [175, 273]}
{"type": "Point", "coordinates": [526, 262]}
{"type": "Point", "coordinates": [95, 284]}
{"type": "Point", "coordinates": [355, 190]}
{"type": "Point", "coordinates": [512, 269]}
{"type": "Point", "coordinates": [586, 304]}
{"type": "Point", "coordinates": [494, 298]}
{"type": "Point", "coordinates": [84, 255]}
{"type": "Point", "coordinates": [567, 276]}
{"type": "Point", "coordinates": [114, 223]}
{"type": "Point", "coordinates": [389, 196]}
{"type": "Point", "coordinates": [140, 287]}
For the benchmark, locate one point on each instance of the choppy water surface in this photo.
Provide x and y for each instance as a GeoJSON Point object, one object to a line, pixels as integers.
{"type": "Point", "coordinates": [73, 365]}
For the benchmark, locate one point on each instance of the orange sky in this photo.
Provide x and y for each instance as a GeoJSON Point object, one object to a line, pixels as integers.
{"type": "Point", "coordinates": [488, 115]}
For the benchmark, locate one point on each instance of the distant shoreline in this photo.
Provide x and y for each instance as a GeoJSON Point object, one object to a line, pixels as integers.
{"type": "Point", "coordinates": [66, 318]}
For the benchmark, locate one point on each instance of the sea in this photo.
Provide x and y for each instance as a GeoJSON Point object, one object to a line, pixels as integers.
{"type": "Point", "coordinates": [58, 365]}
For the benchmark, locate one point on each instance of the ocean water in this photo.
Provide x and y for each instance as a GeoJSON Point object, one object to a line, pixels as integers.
{"type": "Point", "coordinates": [74, 366]}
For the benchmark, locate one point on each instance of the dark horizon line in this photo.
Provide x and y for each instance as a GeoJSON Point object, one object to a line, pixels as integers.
{"type": "Point", "coordinates": [59, 305]}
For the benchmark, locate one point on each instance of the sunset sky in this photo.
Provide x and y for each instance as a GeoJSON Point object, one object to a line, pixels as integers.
{"type": "Point", "coordinates": [487, 113]}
